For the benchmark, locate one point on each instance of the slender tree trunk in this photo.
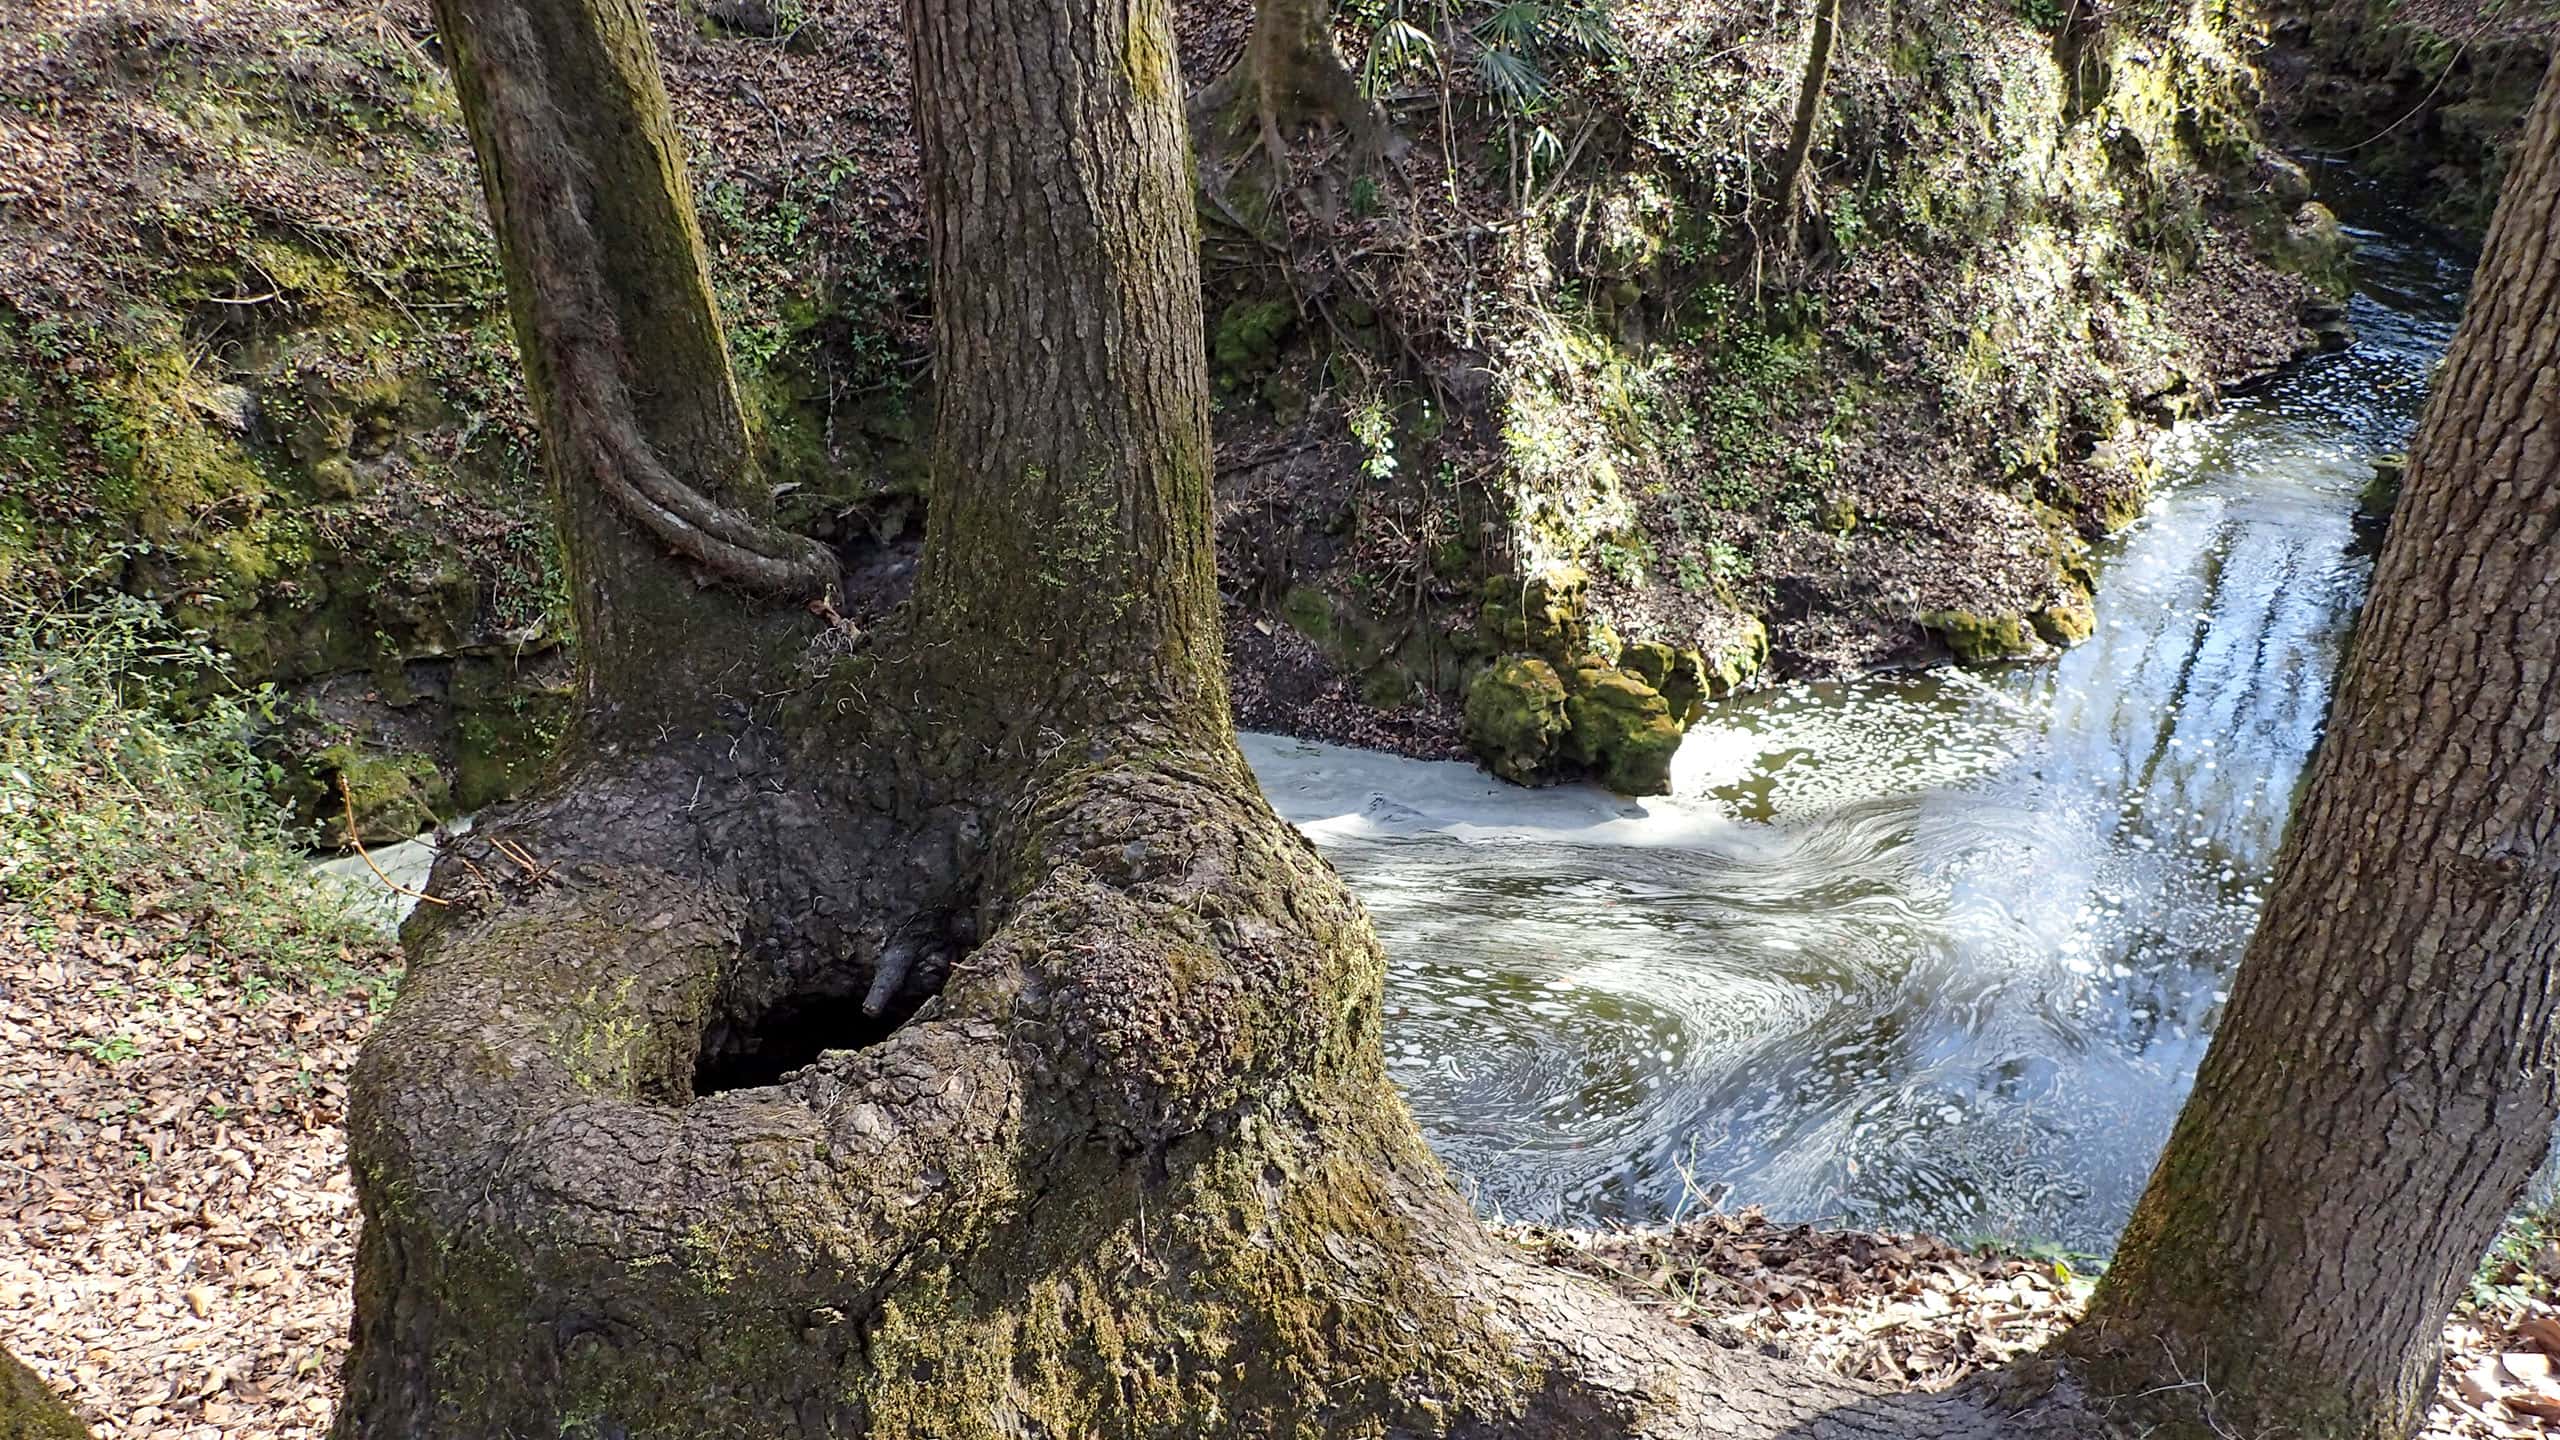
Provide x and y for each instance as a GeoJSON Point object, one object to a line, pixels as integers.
{"type": "Point", "coordinates": [29, 1411]}
{"type": "Point", "coordinates": [644, 441]}
{"type": "Point", "coordinates": [1817, 75]}
{"type": "Point", "coordinates": [2383, 1082]}
{"type": "Point", "coordinates": [1291, 71]}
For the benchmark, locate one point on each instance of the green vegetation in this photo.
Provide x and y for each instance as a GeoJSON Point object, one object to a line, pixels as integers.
{"type": "Point", "coordinates": [127, 784]}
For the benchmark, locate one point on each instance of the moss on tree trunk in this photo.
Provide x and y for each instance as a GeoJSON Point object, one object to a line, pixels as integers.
{"type": "Point", "coordinates": [29, 1411]}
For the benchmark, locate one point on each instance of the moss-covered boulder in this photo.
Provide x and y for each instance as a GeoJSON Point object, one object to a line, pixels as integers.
{"type": "Point", "coordinates": [29, 1411]}
{"type": "Point", "coordinates": [1740, 660]}
{"type": "Point", "coordinates": [2315, 245]}
{"type": "Point", "coordinates": [2381, 494]}
{"type": "Point", "coordinates": [1982, 639]}
{"type": "Point", "coordinates": [1515, 716]}
{"type": "Point", "coordinates": [1650, 661]}
{"type": "Point", "coordinates": [2066, 622]}
{"type": "Point", "coordinates": [394, 794]}
{"type": "Point", "coordinates": [1622, 730]}
{"type": "Point", "coordinates": [1248, 338]}
{"type": "Point", "coordinates": [1546, 613]}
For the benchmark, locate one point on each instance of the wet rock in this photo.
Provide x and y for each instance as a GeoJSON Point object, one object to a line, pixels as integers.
{"type": "Point", "coordinates": [2316, 244]}
{"type": "Point", "coordinates": [2381, 494]}
{"type": "Point", "coordinates": [2283, 178]}
{"type": "Point", "coordinates": [1515, 716]}
{"type": "Point", "coordinates": [2066, 622]}
{"type": "Point", "coordinates": [1982, 639]}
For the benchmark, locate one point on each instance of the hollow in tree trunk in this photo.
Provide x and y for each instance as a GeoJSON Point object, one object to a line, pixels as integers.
{"type": "Point", "coordinates": [2383, 1083]}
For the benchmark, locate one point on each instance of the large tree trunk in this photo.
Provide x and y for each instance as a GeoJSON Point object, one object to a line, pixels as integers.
{"type": "Point", "coordinates": [952, 1042]}
{"type": "Point", "coordinates": [2384, 1082]}
{"type": "Point", "coordinates": [29, 1411]}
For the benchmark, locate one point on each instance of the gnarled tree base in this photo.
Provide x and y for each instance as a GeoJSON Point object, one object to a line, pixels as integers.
{"type": "Point", "coordinates": [637, 1159]}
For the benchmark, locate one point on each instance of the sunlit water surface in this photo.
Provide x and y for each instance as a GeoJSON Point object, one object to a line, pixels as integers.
{"type": "Point", "coordinates": [1935, 950]}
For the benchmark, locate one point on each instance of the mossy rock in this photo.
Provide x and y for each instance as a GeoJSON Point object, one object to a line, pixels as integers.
{"type": "Point", "coordinates": [2315, 245]}
{"type": "Point", "coordinates": [1649, 660]}
{"type": "Point", "coordinates": [1982, 639]}
{"type": "Point", "coordinates": [1309, 611]}
{"type": "Point", "coordinates": [394, 794]}
{"type": "Point", "coordinates": [1623, 730]}
{"type": "Point", "coordinates": [1544, 614]}
{"type": "Point", "coordinates": [2381, 494]}
{"type": "Point", "coordinates": [1248, 338]}
{"type": "Point", "coordinates": [30, 1411]}
{"type": "Point", "coordinates": [506, 742]}
{"type": "Point", "coordinates": [1515, 715]}
{"type": "Point", "coordinates": [1739, 662]}
{"type": "Point", "coordinates": [2066, 622]}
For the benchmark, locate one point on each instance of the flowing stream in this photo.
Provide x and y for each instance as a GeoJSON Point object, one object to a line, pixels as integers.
{"type": "Point", "coordinates": [1933, 950]}
{"type": "Point", "coordinates": [1936, 950]}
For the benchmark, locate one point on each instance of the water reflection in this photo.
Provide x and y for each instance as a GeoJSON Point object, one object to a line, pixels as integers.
{"type": "Point", "coordinates": [1932, 950]}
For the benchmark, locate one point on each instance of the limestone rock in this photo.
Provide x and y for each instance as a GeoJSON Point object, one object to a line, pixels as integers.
{"type": "Point", "coordinates": [1623, 730]}
{"type": "Point", "coordinates": [1515, 716]}
{"type": "Point", "coordinates": [1982, 639]}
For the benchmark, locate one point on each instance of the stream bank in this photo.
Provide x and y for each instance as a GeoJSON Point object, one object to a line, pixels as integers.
{"type": "Point", "coordinates": [1930, 950]}
{"type": "Point", "coordinates": [254, 365]}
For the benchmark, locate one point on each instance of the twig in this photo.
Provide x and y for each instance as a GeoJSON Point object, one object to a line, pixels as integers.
{"type": "Point", "coordinates": [533, 868]}
{"type": "Point", "coordinates": [347, 799]}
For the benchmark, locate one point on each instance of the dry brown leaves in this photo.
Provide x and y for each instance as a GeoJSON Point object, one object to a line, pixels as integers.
{"type": "Point", "coordinates": [179, 1233]}
{"type": "Point", "coordinates": [179, 1228]}
{"type": "Point", "coordinates": [1908, 1311]}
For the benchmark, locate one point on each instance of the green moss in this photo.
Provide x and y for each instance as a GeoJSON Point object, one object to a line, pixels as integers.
{"type": "Point", "coordinates": [1248, 337]}
{"type": "Point", "coordinates": [1982, 639]}
{"type": "Point", "coordinates": [1310, 612]}
{"type": "Point", "coordinates": [2066, 622]}
{"type": "Point", "coordinates": [1623, 730]}
{"type": "Point", "coordinates": [29, 1411]}
{"type": "Point", "coordinates": [395, 794]}
{"type": "Point", "coordinates": [1515, 715]}
{"type": "Point", "coordinates": [1648, 660]}
{"type": "Point", "coordinates": [2381, 494]}
{"type": "Point", "coordinates": [501, 750]}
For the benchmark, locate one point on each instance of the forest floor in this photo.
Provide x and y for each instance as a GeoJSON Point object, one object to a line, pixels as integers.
{"type": "Point", "coordinates": [177, 1227]}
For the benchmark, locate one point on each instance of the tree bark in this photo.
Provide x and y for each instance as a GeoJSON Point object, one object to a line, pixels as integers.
{"type": "Point", "coordinates": [1817, 76]}
{"type": "Point", "coordinates": [28, 1410]}
{"type": "Point", "coordinates": [1071, 469]}
{"type": "Point", "coordinates": [958, 1045]}
{"type": "Point", "coordinates": [1291, 71]}
{"type": "Point", "coordinates": [643, 437]}
{"type": "Point", "coordinates": [2383, 1083]}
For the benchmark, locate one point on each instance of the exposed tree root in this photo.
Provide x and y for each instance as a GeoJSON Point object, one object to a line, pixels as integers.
{"type": "Point", "coordinates": [1290, 75]}
{"type": "Point", "coordinates": [583, 348]}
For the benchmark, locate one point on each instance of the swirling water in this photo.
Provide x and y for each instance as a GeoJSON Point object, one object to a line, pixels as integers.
{"type": "Point", "coordinates": [1935, 950]}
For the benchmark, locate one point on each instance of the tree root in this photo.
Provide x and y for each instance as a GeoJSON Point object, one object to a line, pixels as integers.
{"type": "Point", "coordinates": [534, 162]}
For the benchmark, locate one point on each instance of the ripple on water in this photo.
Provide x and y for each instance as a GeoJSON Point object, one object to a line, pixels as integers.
{"type": "Point", "coordinates": [1937, 950]}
